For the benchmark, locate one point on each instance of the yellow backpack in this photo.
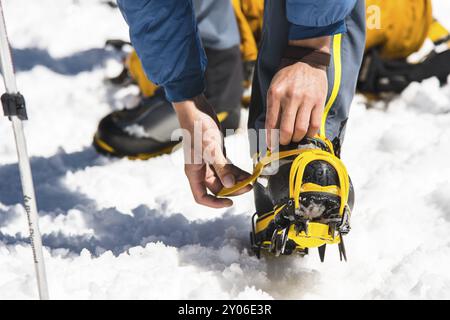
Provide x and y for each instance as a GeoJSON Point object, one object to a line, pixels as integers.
{"type": "Point", "coordinates": [399, 28]}
{"type": "Point", "coordinates": [249, 15]}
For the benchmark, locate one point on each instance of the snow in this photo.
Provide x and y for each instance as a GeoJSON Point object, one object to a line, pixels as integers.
{"type": "Point", "coordinates": [115, 228]}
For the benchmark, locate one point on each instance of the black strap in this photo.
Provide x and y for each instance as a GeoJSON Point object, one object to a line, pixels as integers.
{"type": "Point", "coordinates": [293, 54]}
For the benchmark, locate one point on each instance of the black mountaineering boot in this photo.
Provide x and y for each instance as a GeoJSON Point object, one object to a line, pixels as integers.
{"type": "Point", "coordinates": [145, 130]}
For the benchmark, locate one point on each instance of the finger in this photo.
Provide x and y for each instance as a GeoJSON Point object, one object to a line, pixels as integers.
{"type": "Point", "coordinates": [241, 175]}
{"type": "Point", "coordinates": [196, 178]}
{"type": "Point", "coordinates": [221, 166]}
{"type": "Point", "coordinates": [245, 189]}
{"type": "Point", "coordinates": [229, 175]}
{"type": "Point", "coordinates": [212, 182]}
{"type": "Point", "coordinates": [272, 112]}
{"type": "Point", "coordinates": [302, 122]}
{"type": "Point", "coordinates": [215, 186]}
{"type": "Point", "coordinates": [214, 202]}
{"type": "Point", "coordinates": [225, 174]}
{"type": "Point", "coordinates": [315, 121]}
{"type": "Point", "coordinates": [288, 120]}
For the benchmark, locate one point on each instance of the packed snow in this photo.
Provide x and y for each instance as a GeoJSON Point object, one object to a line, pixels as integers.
{"type": "Point", "coordinates": [115, 228]}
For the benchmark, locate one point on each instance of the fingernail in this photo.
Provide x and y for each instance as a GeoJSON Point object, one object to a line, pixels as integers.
{"type": "Point", "coordinates": [228, 181]}
{"type": "Point", "coordinates": [228, 204]}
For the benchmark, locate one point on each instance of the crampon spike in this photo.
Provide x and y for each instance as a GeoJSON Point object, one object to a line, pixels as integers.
{"type": "Point", "coordinates": [273, 241]}
{"type": "Point", "coordinates": [341, 246]}
{"type": "Point", "coordinates": [322, 252]}
{"type": "Point", "coordinates": [333, 230]}
{"type": "Point", "coordinates": [284, 240]}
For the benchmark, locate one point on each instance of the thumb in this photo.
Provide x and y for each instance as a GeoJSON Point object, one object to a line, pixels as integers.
{"type": "Point", "coordinates": [225, 174]}
{"type": "Point", "coordinates": [214, 155]}
{"type": "Point", "coordinates": [224, 171]}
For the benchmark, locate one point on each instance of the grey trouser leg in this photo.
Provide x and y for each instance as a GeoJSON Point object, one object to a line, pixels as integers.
{"type": "Point", "coordinates": [274, 40]}
{"type": "Point", "coordinates": [217, 24]}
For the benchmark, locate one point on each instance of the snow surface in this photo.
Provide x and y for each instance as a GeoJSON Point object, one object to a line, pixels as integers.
{"type": "Point", "coordinates": [130, 229]}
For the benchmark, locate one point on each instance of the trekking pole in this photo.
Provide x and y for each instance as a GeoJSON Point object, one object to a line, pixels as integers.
{"type": "Point", "coordinates": [14, 108]}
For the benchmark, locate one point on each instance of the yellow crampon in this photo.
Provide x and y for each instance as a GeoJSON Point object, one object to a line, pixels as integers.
{"type": "Point", "coordinates": [301, 233]}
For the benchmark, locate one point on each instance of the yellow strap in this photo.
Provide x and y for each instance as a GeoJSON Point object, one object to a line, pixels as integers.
{"type": "Point", "coordinates": [312, 187]}
{"type": "Point", "coordinates": [264, 161]}
{"type": "Point", "coordinates": [337, 40]}
{"type": "Point", "coordinates": [257, 170]}
{"type": "Point", "coordinates": [263, 221]}
{"type": "Point", "coordinates": [298, 168]}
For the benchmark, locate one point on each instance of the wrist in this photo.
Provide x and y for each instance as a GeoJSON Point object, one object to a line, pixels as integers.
{"type": "Point", "coordinates": [191, 110]}
{"type": "Point", "coordinates": [194, 103]}
{"type": "Point", "coordinates": [186, 113]}
{"type": "Point", "coordinates": [183, 106]}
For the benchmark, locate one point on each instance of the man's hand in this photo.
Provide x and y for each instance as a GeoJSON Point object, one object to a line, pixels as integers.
{"type": "Point", "coordinates": [296, 97]}
{"type": "Point", "coordinates": [206, 165]}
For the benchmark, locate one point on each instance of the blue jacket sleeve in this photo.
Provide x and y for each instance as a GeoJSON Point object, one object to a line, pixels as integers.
{"type": "Point", "coordinates": [164, 34]}
{"type": "Point", "coordinates": [315, 18]}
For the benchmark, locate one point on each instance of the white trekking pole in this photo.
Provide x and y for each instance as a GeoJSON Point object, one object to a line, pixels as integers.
{"type": "Point", "coordinates": [14, 108]}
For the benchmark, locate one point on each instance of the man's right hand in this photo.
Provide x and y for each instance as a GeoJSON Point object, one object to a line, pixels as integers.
{"type": "Point", "coordinates": [297, 96]}
{"type": "Point", "coordinates": [206, 165]}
